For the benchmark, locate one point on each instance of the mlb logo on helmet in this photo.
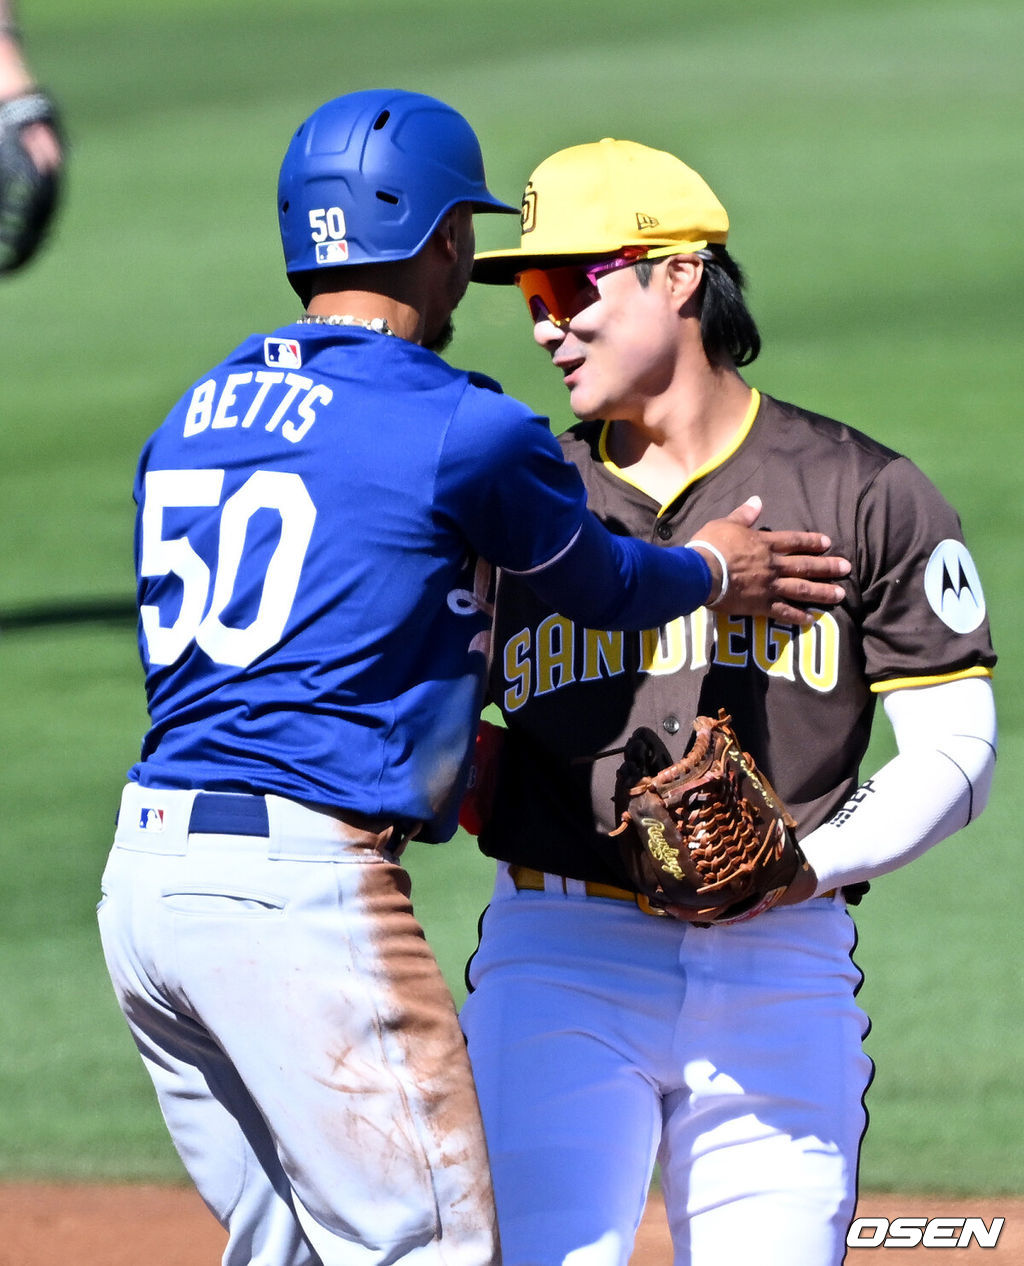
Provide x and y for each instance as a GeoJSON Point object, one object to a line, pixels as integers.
{"type": "Point", "coordinates": [282, 351]}
{"type": "Point", "coordinates": [331, 252]}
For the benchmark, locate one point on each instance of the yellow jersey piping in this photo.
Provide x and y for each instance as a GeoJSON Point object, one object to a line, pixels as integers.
{"type": "Point", "coordinates": [904, 683]}
{"type": "Point", "coordinates": [717, 460]}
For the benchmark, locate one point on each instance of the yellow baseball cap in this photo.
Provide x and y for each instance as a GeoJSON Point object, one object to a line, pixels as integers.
{"type": "Point", "coordinates": [592, 200]}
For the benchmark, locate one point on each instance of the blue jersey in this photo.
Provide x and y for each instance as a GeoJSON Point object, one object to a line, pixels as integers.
{"type": "Point", "coordinates": [314, 605]}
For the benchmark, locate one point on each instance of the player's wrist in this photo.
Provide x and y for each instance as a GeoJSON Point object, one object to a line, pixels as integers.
{"type": "Point", "coordinates": [717, 567]}
{"type": "Point", "coordinates": [14, 75]}
{"type": "Point", "coordinates": [803, 887]}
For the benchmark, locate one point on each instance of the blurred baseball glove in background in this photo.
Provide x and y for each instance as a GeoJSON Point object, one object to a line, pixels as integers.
{"type": "Point", "coordinates": [28, 195]}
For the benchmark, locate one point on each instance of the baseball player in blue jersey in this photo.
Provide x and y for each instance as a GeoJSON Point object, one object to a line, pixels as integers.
{"type": "Point", "coordinates": [605, 1034]}
{"type": "Point", "coordinates": [317, 520]}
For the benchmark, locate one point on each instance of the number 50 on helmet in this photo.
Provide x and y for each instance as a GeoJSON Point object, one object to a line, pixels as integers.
{"type": "Point", "coordinates": [369, 176]}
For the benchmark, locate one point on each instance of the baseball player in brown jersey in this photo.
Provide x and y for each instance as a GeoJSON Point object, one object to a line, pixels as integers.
{"type": "Point", "coordinates": [604, 1037]}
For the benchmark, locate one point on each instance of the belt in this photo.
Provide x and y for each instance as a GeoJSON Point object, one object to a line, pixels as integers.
{"type": "Point", "coordinates": [215, 813]}
{"type": "Point", "coordinates": [527, 879]}
{"type": "Point", "coordinates": [222, 813]}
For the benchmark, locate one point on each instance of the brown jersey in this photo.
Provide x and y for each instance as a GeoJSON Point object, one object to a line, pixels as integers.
{"type": "Point", "coordinates": [802, 700]}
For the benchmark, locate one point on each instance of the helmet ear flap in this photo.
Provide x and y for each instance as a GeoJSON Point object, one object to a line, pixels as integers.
{"type": "Point", "coordinates": [368, 177]}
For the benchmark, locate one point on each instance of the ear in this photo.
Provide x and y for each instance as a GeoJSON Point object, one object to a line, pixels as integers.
{"type": "Point", "coordinates": [682, 277]}
{"type": "Point", "coordinates": [446, 234]}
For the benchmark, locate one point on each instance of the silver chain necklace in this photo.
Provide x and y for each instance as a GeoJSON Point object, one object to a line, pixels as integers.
{"type": "Point", "coordinates": [377, 324]}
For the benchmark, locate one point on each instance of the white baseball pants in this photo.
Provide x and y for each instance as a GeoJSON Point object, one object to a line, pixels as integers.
{"type": "Point", "coordinates": [603, 1039]}
{"type": "Point", "coordinates": [303, 1045]}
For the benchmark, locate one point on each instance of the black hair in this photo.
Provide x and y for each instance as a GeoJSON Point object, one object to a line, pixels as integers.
{"type": "Point", "coordinates": [727, 329]}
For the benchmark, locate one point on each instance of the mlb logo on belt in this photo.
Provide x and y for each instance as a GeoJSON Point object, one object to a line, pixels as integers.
{"type": "Point", "coordinates": [282, 351]}
{"type": "Point", "coordinates": [151, 820]}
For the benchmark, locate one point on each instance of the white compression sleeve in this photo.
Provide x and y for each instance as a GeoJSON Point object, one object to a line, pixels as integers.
{"type": "Point", "coordinates": [939, 781]}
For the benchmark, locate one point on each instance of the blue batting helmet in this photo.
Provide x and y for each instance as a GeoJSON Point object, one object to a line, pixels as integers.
{"type": "Point", "coordinates": [368, 177]}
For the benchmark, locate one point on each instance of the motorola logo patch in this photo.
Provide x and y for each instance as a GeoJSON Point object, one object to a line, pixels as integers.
{"type": "Point", "coordinates": [953, 587]}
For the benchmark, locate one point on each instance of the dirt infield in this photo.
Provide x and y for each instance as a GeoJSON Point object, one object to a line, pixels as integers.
{"type": "Point", "coordinates": [169, 1226]}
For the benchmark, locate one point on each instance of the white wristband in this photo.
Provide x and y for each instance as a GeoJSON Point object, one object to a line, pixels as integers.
{"type": "Point", "coordinates": [715, 553]}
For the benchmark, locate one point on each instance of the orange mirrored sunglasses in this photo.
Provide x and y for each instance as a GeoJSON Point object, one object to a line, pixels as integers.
{"type": "Point", "coordinates": [559, 294]}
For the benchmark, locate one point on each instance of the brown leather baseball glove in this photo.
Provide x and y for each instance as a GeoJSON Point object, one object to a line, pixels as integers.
{"type": "Point", "coordinates": [705, 839]}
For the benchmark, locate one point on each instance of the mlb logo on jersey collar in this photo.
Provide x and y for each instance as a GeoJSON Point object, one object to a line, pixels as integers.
{"type": "Point", "coordinates": [283, 352]}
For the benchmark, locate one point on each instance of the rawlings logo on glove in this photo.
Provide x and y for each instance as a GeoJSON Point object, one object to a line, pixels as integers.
{"type": "Point", "coordinates": [705, 838]}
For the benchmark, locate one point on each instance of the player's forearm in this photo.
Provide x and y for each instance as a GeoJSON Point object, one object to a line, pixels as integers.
{"type": "Point", "coordinates": [15, 76]}
{"type": "Point", "coordinates": [616, 582]}
{"type": "Point", "coordinates": [937, 784]}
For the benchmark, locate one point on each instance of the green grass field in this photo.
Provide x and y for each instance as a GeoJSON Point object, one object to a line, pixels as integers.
{"type": "Point", "coordinates": [869, 155]}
